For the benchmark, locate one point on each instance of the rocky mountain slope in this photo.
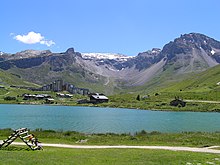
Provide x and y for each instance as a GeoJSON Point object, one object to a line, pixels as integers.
{"type": "Point", "coordinates": [192, 52]}
{"type": "Point", "coordinates": [189, 53]}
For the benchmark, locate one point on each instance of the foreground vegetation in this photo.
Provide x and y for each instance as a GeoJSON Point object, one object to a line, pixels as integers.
{"type": "Point", "coordinates": [195, 139]}
{"type": "Point", "coordinates": [23, 155]}
{"type": "Point", "coordinates": [16, 155]}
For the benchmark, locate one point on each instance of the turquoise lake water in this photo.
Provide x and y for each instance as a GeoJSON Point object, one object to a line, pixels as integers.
{"type": "Point", "coordinates": [102, 120]}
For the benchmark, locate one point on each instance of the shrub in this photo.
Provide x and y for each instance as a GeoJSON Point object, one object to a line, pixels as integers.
{"type": "Point", "coordinates": [9, 98]}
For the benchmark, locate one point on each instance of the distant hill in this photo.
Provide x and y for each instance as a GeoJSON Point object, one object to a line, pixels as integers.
{"type": "Point", "coordinates": [110, 73]}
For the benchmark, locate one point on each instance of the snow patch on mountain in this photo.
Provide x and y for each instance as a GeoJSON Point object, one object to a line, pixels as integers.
{"type": "Point", "coordinates": [102, 56]}
{"type": "Point", "coordinates": [212, 52]}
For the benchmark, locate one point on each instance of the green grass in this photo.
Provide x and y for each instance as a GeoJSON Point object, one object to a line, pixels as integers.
{"type": "Point", "coordinates": [104, 156]}
{"type": "Point", "coordinates": [151, 102]}
{"type": "Point", "coordinates": [23, 155]}
{"type": "Point", "coordinates": [7, 79]}
{"type": "Point", "coordinates": [195, 139]}
{"type": "Point", "coordinates": [162, 101]}
{"type": "Point", "coordinates": [202, 82]}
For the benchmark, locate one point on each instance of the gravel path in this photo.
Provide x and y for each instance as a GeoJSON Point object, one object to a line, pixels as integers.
{"type": "Point", "coordinates": [203, 101]}
{"type": "Point", "coordinates": [191, 149]}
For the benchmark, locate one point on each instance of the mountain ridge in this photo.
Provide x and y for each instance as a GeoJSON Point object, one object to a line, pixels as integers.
{"type": "Point", "coordinates": [188, 53]}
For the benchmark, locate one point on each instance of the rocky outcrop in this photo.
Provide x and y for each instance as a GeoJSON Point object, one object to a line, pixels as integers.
{"type": "Point", "coordinates": [30, 58]}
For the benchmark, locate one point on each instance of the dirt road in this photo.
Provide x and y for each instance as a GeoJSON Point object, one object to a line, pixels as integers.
{"type": "Point", "coordinates": [203, 101]}
{"type": "Point", "coordinates": [191, 149]}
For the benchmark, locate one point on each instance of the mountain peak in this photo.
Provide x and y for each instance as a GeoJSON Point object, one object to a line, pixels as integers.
{"type": "Point", "coordinates": [194, 35]}
{"type": "Point", "coordinates": [70, 51]}
{"type": "Point", "coordinates": [186, 42]}
{"type": "Point", "coordinates": [30, 53]}
{"type": "Point", "coordinates": [192, 52]}
{"type": "Point", "coordinates": [33, 52]}
{"type": "Point", "coordinates": [197, 39]}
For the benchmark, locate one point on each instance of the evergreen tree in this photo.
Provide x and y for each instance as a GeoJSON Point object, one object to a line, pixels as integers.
{"type": "Point", "coordinates": [138, 98]}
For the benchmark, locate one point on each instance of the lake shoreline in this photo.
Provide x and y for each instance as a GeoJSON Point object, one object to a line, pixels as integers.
{"type": "Point", "coordinates": [119, 107]}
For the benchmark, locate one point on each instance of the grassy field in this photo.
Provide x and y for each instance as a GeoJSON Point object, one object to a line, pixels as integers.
{"type": "Point", "coordinates": [23, 155]}
{"type": "Point", "coordinates": [149, 101]}
{"type": "Point", "coordinates": [161, 101]}
{"type": "Point", "coordinates": [194, 139]}
{"type": "Point", "coordinates": [19, 155]}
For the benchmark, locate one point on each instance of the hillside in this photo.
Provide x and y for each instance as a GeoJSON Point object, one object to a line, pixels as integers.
{"type": "Point", "coordinates": [206, 81]}
{"type": "Point", "coordinates": [8, 79]}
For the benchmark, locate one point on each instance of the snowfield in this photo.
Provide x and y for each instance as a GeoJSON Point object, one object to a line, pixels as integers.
{"type": "Point", "coordinates": [111, 56]}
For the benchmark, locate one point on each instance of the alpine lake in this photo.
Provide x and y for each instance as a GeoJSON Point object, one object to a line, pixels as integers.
{"type": "Point", "coordinates": [105, 120]}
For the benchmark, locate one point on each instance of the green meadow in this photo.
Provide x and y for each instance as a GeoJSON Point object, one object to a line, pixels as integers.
{"type": "Point", "coordinates": [192, 139]}
{"type": "Point", "coordinates": [51, 155]}
{"type": "Point", "coordinates": [21, 156]}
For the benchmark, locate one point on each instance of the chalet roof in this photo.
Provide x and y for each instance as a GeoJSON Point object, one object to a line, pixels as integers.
{"type": "Point", "coordinates": [99, 97]}
{"type": "Point", "coordinates": [50, 99]}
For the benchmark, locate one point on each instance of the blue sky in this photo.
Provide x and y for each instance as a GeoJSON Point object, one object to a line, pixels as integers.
{"type": "Point", "coordinates": [116, 26]}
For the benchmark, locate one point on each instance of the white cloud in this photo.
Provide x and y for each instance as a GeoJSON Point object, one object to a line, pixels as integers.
{"type": "Point", "coordinates": [34, 38]}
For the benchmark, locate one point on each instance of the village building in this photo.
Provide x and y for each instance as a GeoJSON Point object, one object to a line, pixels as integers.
{"type": "Point", "coordinates": [64, 95]}
{"type": "Point", "coordinates": [35, 97]}
{"type": "Point", "coordinates": [60, 85]}
{"type": "Point", "coordinates": [49, 101]}
{"type": "Point", "coordinates": [98, 98]}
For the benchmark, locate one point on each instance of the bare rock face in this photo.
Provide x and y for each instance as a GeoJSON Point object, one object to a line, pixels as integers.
{"type": "Point", "coordinates": [146, 59]}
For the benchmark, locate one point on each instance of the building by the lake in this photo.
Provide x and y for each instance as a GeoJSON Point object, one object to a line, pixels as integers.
{"type": "Point", "coordinates": [60, 85]}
